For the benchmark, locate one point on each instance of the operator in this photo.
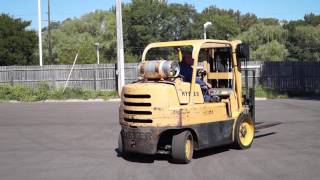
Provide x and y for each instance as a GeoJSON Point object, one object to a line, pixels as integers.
{"type": "Point", "coordinates": [186, 72]}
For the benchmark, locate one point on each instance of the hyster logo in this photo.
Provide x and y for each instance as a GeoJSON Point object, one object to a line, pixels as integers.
{"type": "Point", "coordinates": [187, 93]}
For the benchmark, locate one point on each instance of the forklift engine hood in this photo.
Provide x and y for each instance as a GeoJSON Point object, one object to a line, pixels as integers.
{"type": "Point", "coordinates": [149, 103]}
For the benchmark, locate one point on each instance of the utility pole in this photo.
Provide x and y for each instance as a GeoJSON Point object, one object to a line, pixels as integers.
{"type": "Point", "coordinates": [120, 50]}
{"type": "Point", "coordinates": [49, 34]}
{"type": "Point", "coordinates": [98, 52]}
{"type": "Point", "coordinates": [40, 32]}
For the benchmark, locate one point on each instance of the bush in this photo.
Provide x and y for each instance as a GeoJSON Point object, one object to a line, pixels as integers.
{"type": "Point", "coordinates": [107, 94]}
{"type": "Point", "coordinates": [43, 92]}
{"type": "Point", "coordinates": [268, 93]}
{"type": "Point", "coordinates": [5, 91]}
{"type": "Point", "coordinates": [21, 93]}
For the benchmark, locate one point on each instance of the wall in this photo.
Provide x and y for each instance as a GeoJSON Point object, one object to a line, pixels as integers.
{"type": "Point", "coordinates": [292, 77]}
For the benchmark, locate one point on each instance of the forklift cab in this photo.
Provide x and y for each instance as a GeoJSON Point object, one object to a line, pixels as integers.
{"type": "Point", "coordinates": [216, 62]}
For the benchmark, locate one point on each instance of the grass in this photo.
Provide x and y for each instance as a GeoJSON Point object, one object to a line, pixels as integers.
{"type": "Point", "coordinates": [269, 93]}
{"type": "Point", "coordinates": [44, 92]}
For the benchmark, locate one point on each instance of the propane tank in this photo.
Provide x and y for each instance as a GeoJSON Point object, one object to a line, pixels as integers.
{"type": "Point", "coordinates": [162, 69]}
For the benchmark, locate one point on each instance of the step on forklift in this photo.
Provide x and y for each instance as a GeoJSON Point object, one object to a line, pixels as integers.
{"type": "Point", "coordinates": [162, 113]}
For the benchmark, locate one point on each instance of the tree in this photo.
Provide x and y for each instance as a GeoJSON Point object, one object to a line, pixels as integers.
{"type": "Point", "coordinates": [246, 21]}
{"type": "Point", "coordinates": [303, 38]}
{"type": "Point", "coordinates": [304, 43]}
{"type": "Point", "coordinates": [270, 21]}
{"type": "Point", "coordinates": [143, 22]}
{"type": "Point", "coordinates": [146, 21]}
{"type": "Point", "coordinates": [17, 45]}
{"type": "Point", "coordinates": [260, 34]}
{"type": "Point", "coordinates": [223, 25]}
{"type": "Point", "coordinates": [178, 22]}
{"type": "Point", "coordinates": [312, 19]}
{"type": "Point", "coordinates": [80, 35]}
{"type": "Point", "coordinates": [272, 51]}
{"type": "Point", "coordinates": [261, 39]}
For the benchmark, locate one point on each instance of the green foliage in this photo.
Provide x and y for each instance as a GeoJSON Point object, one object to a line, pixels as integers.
{"type": "Point", "coordinates": [131, 58]}
{"type": "Point", "coordinates": [146, 21]}
{"type": "Point", "coordinates": [5, 91]}
{"type": "Point", "coordinates": [247, 20]}
{"type": "Point", "coordinates": [270, 21]}
{"type": "Point", "coordinates": [303, 38]}
{"type": "Point", "coordinates": [304, 43]}
{"type": "Point", "coordinates": [143, 20]}
{"type": "Point", "coordinates": [41, 93]}
{"type": "Point", "coordinates": [260, 34]}
{"type": "Point", "coordinates": [106, 94]}
{"type": "Point", "coordinates": [273, 51]}
{"type": "Point", "coordinates": [44, 92]}
{"type": "Point", "coordinates": [268, 93]}
{"type": "Point", "coordinates": [312, 19]}
{"type": "Point", "coordinates": [80, 35]}
{"type": "Point", "coordinates": [225, 23]}
{"type": "Point", "coordinates": [19, 93]}
{"type": "Point", "coordinates": [222, 26]}
{"type": "Point", "coordinates": [17, 44]}
{"type": "Point", "coordinates": [178, 22]}
{"type": "Point", "coordinates": [244, 21]}
{"type": "Point", "coordinates": [267, 42]}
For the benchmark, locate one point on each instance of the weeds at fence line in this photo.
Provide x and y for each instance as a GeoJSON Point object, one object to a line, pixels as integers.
{"type": "Point", "coordinates": [45, 92]}
{"type": "Point", "coordinates": [269, 93]}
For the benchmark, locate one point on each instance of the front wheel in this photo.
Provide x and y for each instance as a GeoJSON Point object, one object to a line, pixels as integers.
{"type": "Point", "coordinates": [182, 147]}
{"type": "Point", "coordinates": [244, 133]}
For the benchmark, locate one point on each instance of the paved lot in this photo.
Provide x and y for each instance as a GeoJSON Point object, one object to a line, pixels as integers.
{"type": "Point", "coordinates": [78, 141]}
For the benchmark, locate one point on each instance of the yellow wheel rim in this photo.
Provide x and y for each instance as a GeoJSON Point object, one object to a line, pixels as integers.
{"type": "Point", "coordinates": [188, 148]}
{"type": "Point", "coordinates": [246, 132]}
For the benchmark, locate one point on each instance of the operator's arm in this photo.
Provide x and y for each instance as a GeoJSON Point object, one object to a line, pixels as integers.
{"type": "Point", "coordinates": [200, 81]}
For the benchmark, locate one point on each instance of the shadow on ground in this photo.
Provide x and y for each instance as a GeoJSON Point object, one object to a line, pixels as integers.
{"type": "Point", "coordinates": [141, 158]}
{"type": "Point", "coordinates": [263, 135]}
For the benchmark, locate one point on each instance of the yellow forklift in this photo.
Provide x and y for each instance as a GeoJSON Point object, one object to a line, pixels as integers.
{"type": "Point", "coordinates": [164, 113]}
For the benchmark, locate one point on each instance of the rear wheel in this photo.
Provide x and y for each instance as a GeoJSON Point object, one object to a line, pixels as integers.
{"type": "Point", "coordinates": [244, 133]}
{"type": "Point", "coordinates": [182, 147]}
{"type": "Point", "coordinates": [120, 145]}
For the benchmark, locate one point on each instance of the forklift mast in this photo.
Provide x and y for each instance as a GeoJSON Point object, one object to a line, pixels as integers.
{"type": "Point", "coordinates": [249, 88]}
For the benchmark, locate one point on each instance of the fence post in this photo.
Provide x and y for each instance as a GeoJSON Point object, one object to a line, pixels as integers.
{"type": "Point", "coordinates": [11, 78]}
{"type": "Point", "coordinates": [95, 77]}
{"type": "Point", "coordinates": [55, 79]}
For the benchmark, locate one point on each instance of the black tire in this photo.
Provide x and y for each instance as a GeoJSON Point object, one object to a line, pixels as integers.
{"type": "Point", "coordinates": [120, 145]}
{"type": "Point", "coordinates": [244, 135]}
{"type": "Point", "coordinates": [180, 152]}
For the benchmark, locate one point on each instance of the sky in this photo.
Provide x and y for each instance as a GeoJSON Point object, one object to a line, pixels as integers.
{"type": "Point", "coordinates": [63, 9]}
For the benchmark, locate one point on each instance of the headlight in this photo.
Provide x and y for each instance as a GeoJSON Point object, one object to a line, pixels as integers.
{"type": "Point", "coordinates": [159, 69]}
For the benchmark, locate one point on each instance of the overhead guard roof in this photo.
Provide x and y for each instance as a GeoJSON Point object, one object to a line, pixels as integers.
{"type": "Point", "coordinates": [195, 43]}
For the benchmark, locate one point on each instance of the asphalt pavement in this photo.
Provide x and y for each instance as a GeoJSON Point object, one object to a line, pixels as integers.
{"type": "Point", "coordinates": [69, 141]}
